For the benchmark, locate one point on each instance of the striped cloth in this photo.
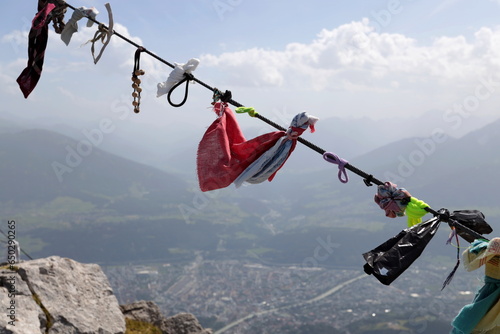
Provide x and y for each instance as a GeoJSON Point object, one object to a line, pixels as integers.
{"type": "Point", "coordinates": [268, 164]}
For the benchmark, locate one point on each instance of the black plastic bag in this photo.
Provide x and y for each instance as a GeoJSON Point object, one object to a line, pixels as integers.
{"type": "Point", "coordinates": [472, 219]}
{"type": "Point", "coordinates": [393, 257]}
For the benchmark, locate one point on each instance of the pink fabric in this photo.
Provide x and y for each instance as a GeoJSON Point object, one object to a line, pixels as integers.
{"type": "Point", "coordinates": [40, 19]}
{"type": "Point", "coordinates": [391, 199]}
{"type": "Point", "coordinates": [37, 43]}
{"type": "Point", "coordinates": [223, 152]}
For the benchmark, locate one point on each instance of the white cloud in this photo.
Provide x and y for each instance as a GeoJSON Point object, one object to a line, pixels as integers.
{"type": "Point", "coordinates": [74, 89]}
{"type": "Point", "coordinates": [351, 67]}
{"type": "Point", "coordinates": [354, 55]}
{"type": "Point", "coordinates": [76, 52]}
{"type": "Point", "coordinates": [75, 60]}
{"type": "Point", "coordinates": [8, 84]}
{"type": "Point", "coordinates": [15, 39]}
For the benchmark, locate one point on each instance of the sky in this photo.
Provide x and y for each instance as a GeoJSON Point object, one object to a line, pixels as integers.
{"type": "Point", "coordinates": [351, 59]}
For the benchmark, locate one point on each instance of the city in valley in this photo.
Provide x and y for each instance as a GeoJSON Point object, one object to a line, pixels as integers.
{"type": "Point", "coordinates": [232, 296]}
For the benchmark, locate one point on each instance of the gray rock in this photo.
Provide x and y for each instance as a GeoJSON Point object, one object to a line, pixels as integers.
{"type": "Point", "coordinates": [60, 296]}
{"type": "Point", "coordinates": [73, 298]}
{"type": "Point", "coordinates": [185, 323]}
{"type": "Point", "coordinates": [20, 312]}
{"type": "Point", "coordinates": [147, 311]}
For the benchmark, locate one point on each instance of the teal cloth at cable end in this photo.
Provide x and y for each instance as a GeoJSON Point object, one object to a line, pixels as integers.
{"type": "Point", "coordinates": [471, 314]}
{"type": "Point", "coordinates": [477, 246]}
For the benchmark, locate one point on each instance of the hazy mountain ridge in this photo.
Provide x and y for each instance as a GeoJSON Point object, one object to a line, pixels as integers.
{"type": "Point", "coordinates": [111, 210]}
{"type": "Point", "coordinates": [141, 211]}
{"type": "Point", "coordinates": [459, 173]}
{"type": "Point", "coordinates": [173, 148]}
{"type": "Point", "coordinates": [41, 165]}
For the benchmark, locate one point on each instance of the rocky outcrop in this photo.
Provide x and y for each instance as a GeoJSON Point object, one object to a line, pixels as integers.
{"type": "Point", "coordinates": [149, 312]}
{"type": "Point", "coordinates": [184, 323]}
{"type": "Point", "coordinates": [58, 296]}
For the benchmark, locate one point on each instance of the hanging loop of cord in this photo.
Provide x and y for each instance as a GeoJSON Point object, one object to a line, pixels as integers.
{"type": "Point", "coordinates": [187, 77]}
{"type": "Point", "coordinates": [335, 159]}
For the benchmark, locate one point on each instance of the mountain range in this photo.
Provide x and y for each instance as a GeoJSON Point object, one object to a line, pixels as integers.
{"type": "Point", "coordinates": [74, 199]}
{"type": "Point", "coordinates": [40, 166]}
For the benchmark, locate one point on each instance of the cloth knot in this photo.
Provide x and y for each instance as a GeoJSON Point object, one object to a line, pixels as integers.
{"type": "Point", "coordinates": [335, 159]}
{"type": "Point", "coordinates": [57, 15]}
{"type": "Point", "coordinates": [299, 124]}
{"type": "Point", "coordinates": [304, 121]}
{"type": "Point", "coordinates": [293, 132]}
{"type": "Point", "coordinates": [176, 76]}
{"type": "Point", "coordinates": [72, 25]}
{"type": "Point", "coordinates": [415, 210]}
{"type": "Point", "coordinates": [392, 200]}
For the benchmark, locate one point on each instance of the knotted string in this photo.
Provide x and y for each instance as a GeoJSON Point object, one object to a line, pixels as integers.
{"type": "Point", "coordinates": [452, 235]}
{"type": "Point", "coordinates": [335, 159]}
{"type": "Point", "coordinates": [249, 110]}
{"type": "Point", "coordinates": [104, 34]}
{"type": "Point", "coordinates": [448, 279]}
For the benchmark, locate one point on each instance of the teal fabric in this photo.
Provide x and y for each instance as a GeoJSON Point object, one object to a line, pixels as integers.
{"type": "Point", "coordinates": [471, 314]}
{"type": "Point", "coordinates": [477, 246]}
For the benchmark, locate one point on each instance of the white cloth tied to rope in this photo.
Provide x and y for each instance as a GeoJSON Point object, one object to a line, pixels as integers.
{"type": "Point", "coordinates": [176, 75]}
{"type": "Point", "coordinates": [72, 25]}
